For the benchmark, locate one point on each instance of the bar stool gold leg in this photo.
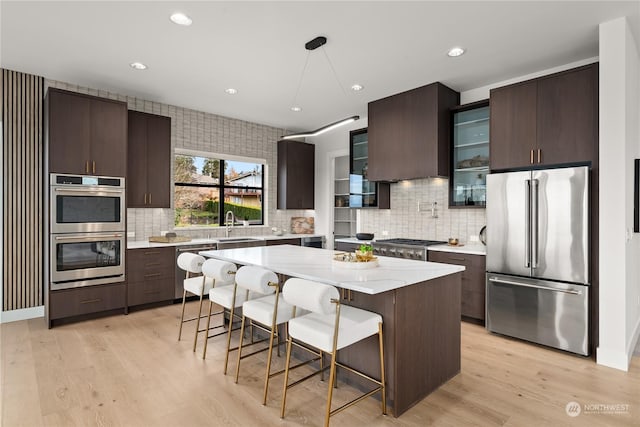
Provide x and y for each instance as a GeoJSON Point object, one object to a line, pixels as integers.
{"type": "Point", "coordinates": [266, 380]}
{"type": "Point", "coordinates": [226, 357]}
{"type": "Point", "coordinates": [240, 349]}
{"type": "Point", "coordinates": [206, 338]}
{"type": "Point", "coordinates": [286, 377]}
{"type": "Point", "coordinates": [184, 297]}
{"type": "Point", "coordinates": [382, 377]}
{"type": "Point", "coordinates": [332, 377]}
{"type": "Point", "coordinates": [195, 338]}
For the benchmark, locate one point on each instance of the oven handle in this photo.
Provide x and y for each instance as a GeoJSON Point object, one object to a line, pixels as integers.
{"type": "Point", "coordinates": [92, 237]}
{"type": "Point", "coordinates": [88, 190]}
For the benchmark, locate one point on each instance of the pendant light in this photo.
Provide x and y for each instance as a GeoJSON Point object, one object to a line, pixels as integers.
{"type": "Point", "coordinates": [313, 45]}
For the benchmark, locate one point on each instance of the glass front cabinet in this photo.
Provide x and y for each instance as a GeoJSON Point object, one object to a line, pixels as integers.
{"type": "Point", "coordinates": [362, 192]}
{"type": "Point", "coordinates": [469, 155]}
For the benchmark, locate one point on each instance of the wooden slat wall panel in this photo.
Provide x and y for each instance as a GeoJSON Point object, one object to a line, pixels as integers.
{"type": "Point", "coordinates": [22, 109]}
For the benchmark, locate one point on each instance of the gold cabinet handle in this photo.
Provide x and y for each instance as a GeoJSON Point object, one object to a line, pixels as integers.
{"type": "Point", "coordinates": [150, 193]}
{"type": "Point", "coordinates": [86, 166]}
{"type": "Point", "coordinates": [531, 156]}
{"type": "Point", "coordinates": [91, 301]}
{"type": "Point", "coordinates": [539, 155]}
{"type": "Point", "coordinates": [94, 166]}
{"type": "Point", "coordinates": [349, 298]}
{"type": "Point", "coordinates": [145, 198]}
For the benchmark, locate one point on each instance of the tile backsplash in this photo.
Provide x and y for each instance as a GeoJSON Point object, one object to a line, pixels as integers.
{"type": "Point", "coordinates": [410, 215]}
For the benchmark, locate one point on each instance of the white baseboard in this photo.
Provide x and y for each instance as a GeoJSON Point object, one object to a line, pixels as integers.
{"type": "Point", "coordinates": [612, 358]}
{"type": "Point", "coordinates": [634, 340]}
{"type": "Point", "coordinates": [21, 314]}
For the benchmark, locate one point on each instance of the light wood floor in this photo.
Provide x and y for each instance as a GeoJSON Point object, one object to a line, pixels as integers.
{"type": "Point", "coordinates": [130, 370]}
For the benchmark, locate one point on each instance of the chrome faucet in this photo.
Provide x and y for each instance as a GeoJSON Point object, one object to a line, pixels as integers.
{"type": "Point", "coordinates": [227, 224]}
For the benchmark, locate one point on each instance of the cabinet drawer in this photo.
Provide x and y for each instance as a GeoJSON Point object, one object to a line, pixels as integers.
{"type": "Point", "coordinates": [457, 258]}
{"type": "Point", "coordinates": [274, 242]}
{"type": "Point", "coordinates": [152, 263]}
{"type": "Point", "coordinates": [90, 299]}
{"type": "Point", "coordinates": [150, 291]}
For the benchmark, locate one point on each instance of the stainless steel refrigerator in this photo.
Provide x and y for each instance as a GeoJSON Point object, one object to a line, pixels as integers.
{"type": "Point", "coordinates": [538, 256]}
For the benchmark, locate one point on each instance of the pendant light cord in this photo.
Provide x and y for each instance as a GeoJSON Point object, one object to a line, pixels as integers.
{"type": "Point", "coordinates": [295, 97]}
{"type": "Point", "coordinates": [344, 92]}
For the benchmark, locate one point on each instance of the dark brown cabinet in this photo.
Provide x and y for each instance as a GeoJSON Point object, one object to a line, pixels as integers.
{"type": "Point", "coordinates": [296, 170]}
{"type": "Point", "coordinates": [89, 299]}
{"type": "Point", "coordinates": [274, 242]}
{"type": "Point", "coordinates": [421, 327]}
{"type": "Point", "coordinates": [547, 121]}
{"type": "Point", "coordinates": [87, 135]}
{"type": "Point", "coordinates": [150, 275]}
{"type": "Point", "coordinates": [473, 280]}
{"type": "Point", "coordinates": [409, 134]}
{"type": "Point", "coordinates": [149, 161]}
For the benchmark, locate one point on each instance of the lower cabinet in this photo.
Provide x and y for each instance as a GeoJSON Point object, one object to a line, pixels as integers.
{"type": "Point", "coordinates": [150, 275]}
{"type": "Point", "coordinates": [473, 280]}
{"type": "Point", "coordinates": [273, 242]}
{"type": "Point", "coordinates": [86, 300]}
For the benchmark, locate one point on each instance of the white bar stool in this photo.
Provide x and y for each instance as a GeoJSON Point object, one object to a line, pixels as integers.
{"type": "Point", "coordinates": [228, 297]}
{"type": "Point", "coordinates": [222, 275]}
{"type": "Point", "coordinates": [330, 327]}
{"type": "Point", "coordinates": [265, 313]}
{"type": "Point", "coordinates": [192, 264]}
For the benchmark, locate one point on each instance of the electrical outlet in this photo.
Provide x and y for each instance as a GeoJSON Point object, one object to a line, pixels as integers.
{"type": "Point", "coordinates": [385, 232]}
{"type": "Point", "coordinates": [474, 238]}
{"type": "Point", "coordinates": [424, 206]}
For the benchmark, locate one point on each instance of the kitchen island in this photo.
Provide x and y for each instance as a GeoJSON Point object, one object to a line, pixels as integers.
{"type": "Point", "coordinates": [419, 302]}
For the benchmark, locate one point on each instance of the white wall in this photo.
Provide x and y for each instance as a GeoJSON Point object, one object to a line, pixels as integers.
{"type": "Point", "coordinates": [619, 145]}
{"type": "Point", "coordinates": [329, 146]}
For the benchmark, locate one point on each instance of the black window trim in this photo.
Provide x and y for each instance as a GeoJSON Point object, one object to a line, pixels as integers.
{"type": "Point", "coordinates": [221, 186]}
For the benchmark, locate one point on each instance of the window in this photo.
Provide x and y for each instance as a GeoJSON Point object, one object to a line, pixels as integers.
{"type": "Point", "coordinates": [206, 188]}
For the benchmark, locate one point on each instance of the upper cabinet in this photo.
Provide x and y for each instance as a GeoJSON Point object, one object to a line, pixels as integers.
{"type": "Point", "coordinates": [87, 135]}
{"type": "Point", "coordinates": [469, 155]}
{"type": "Point", "coordinates": [547, 121]}
{"type": "Point", "coordinates": [296, 170]}
{"type": "Point", "coordinates": [409, 134]}
{"type": "Point", "coordinates": [149, 161]}
{"type": "Point", "coordinates": [362, 192]}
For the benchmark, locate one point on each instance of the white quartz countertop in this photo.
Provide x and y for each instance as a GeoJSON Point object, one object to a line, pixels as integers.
{"type": "Point", "coordinates": [471, 249]}
{"type": "Point", "coordinates": [317, 264]}
{"type": "Point", "coordinates": [204, 241]}
{"type": "Point", "coordinates": [353, 240]}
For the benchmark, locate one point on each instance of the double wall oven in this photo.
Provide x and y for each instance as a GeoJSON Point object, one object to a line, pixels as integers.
{"type": "Point", "coordinates": [87, 230]}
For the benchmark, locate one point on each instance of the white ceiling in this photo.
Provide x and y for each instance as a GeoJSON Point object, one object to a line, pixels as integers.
{"type": "Point", "coordinates": [258, 48]}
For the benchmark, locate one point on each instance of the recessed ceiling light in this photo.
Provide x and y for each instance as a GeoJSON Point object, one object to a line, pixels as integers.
{"type": "Point", "coordinates": [356, 87]}
{"type": "Point", "coordinates": [181, 19]}
{"type": "Point", "coordinates": [455, 51]}
{"type": "Point", "coordinates": [231, 91]}
{"type": "Point", "coordinates": [296, 109]}
{"type": "Point", "coordinates": [138, 66]}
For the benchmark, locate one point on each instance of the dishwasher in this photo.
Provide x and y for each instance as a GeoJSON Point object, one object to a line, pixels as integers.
{"type": "Point", "coordinates": [180, 273]}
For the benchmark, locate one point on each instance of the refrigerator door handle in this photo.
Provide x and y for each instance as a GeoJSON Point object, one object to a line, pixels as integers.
{"type": "Point", "coordinates": [528, 285]}
{"type": "Point", "coordinates": [534, 223]}
{"type": "Point", "coordinates": [527, 224]}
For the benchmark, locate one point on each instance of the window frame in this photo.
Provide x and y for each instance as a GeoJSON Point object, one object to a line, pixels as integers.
{"type": "Point", "coordinates": [221, 186]}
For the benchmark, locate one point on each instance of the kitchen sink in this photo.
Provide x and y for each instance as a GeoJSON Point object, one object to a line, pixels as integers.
{"type": "Point", "coordinates": [239, 242]}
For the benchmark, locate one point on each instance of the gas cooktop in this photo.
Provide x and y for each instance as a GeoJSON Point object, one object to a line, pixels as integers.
{"type": "Point", "coordinates": [404, 248]}
{"type": "Point", "coordinates": [411, 242]}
